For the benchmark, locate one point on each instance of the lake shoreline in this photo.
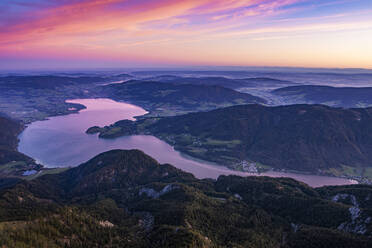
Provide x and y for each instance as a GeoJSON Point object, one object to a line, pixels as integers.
{"type": "Point", "coordinates": [59, 127]}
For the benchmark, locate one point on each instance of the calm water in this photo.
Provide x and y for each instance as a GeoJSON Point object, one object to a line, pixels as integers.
{"type": "Point", "coordinates": [61, 141]}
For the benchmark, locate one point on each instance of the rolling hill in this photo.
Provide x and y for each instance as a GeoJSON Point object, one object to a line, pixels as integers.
{"type": "Point", "coordinates": [169, 99]}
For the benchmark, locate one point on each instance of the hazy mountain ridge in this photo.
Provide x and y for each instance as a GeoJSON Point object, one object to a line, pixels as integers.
{"type": "Point", "coordinates": [347, 97]}
{"type": "Point", "coordinates": [46, 82]}
{"type": "Point", "coordinates": [356, 77]}
{"type": "Point", "coordinates": [126, 199]}
{"type": "Point", "coordinates": [223, 81]}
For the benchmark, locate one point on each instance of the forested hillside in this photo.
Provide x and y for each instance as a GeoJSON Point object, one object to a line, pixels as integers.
{"type": "Point", "coordinates": [126, 199]}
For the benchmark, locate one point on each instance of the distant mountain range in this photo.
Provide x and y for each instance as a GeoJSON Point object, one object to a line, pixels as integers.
{"type": "Point", "coordinates": [311, 138]}
{"type": "Point", "coordinates": [223, 81]}
{"type": "Point", "coordinates": [353, 77]}
{"type": "Point", "coordinates": [347, 97]}
{"type": "Point", "coordinates": [45, 82]}
{"type": "Point", "coordinates": [126, 199]}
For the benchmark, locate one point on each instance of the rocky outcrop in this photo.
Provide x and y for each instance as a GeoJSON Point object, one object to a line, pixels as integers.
{"type": "Point", "coordinates": [150, 192]}
{"type": "Point", "coordinates": [358, 221]}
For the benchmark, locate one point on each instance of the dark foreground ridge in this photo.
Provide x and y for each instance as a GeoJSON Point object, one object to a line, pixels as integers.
{"type": "Point", "coordinates": [127, 199]}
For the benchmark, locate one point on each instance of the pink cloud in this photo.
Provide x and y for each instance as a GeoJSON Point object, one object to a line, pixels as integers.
{"type": "Point", "coordinates": [76, 17]}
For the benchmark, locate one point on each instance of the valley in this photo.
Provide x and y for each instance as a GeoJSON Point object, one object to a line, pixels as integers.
{"type": "Point", "coordinates": [61, 141]}
{"type": "Point", "coordinates": [167, 94]}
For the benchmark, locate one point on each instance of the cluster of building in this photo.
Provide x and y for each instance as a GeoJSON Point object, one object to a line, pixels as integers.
{"type": "Point", "coordinates": [247, 166]}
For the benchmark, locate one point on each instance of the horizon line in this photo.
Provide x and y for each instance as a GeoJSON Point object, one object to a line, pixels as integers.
{"type": "Point", "coordinates": [186, 68]}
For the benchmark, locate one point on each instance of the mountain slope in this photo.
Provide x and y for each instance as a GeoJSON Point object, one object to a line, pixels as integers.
{"type": "Point", "coordinates": [12, 162]}
{"type": "Point", "coordinates": [126, 199]}
{"type": "Point", "coordinates": [9, 131]}
{"type": "Point", "coordinates": [347, 97]}
{"type": "Point", "coordinates": [30, 98]}
{"type": "Point", "coordinates": [311, 138]}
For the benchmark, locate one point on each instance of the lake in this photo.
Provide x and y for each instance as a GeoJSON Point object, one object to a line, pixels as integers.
{"type": "Point", "coordinates": [61, 141]}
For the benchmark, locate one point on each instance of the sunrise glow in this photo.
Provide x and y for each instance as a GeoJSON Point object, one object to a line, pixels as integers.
{"type": "Point", "coordinates": [114, 33]}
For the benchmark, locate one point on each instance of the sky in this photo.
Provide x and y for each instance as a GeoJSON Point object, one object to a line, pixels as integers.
{"type": "Point", "coordinates": [38, 34]}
